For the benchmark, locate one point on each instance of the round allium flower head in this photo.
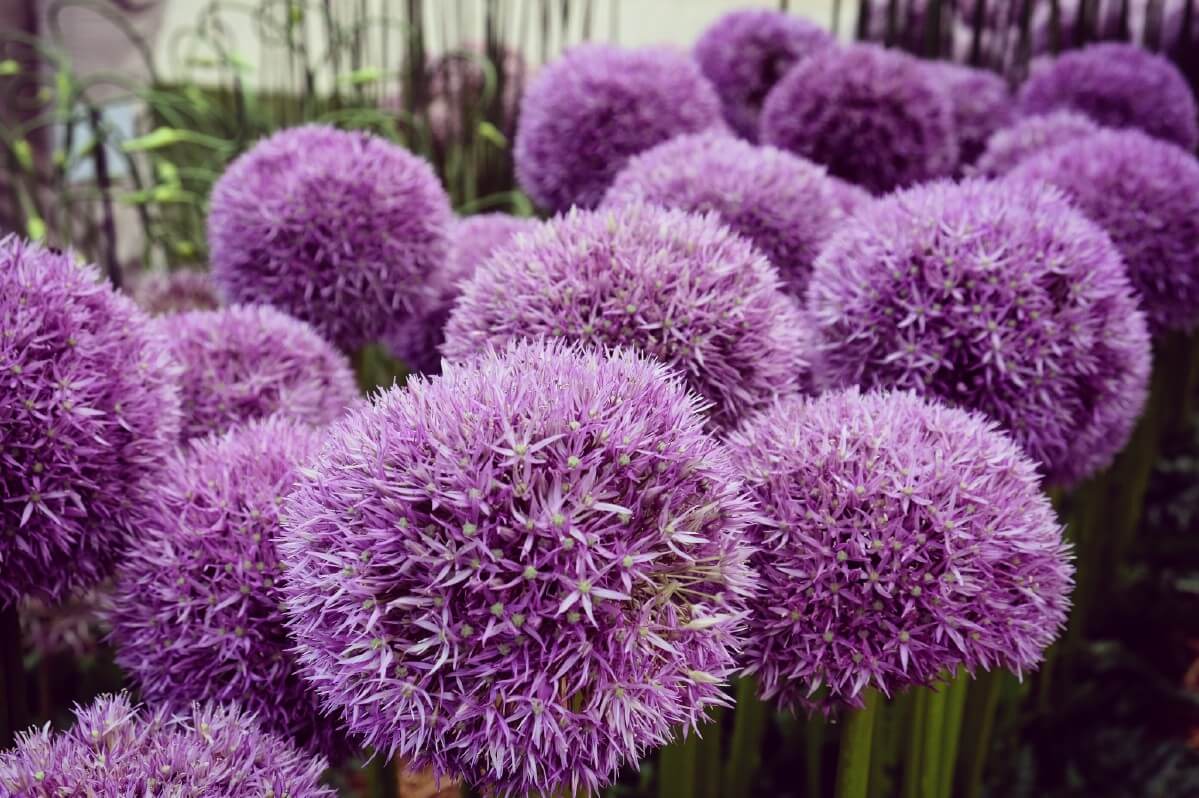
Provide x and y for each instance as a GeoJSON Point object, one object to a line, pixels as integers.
{"type": "Point", "coordinates": [899, 538]}
{"type": "Point", "coordinates": [115, 750]}
{"type": "Point", "coordinates": [339, 229]}
{"type": "Point", "coordinates": [584, 115]}
{"type": "Point", "coordinates": [1145, 193]}
{"type": "Point", "coordinates": [678, 287]}
{"type": "Point", "coordinates": [525, 571]}
{"type": "Point", "coordinates": [981, 102]}
{"type": "Point", "coordinates": [88, 410]}
{"type": "Point", "coordinates": [848, 196]}
{"type": "Point", "coordinates": [249, 361]}
{"type": "Point", "coordinates": [745, 52]}
{"type": "Point", "coordinates": [874, 117]}
{"type": "Point", "coordinates": [197, 607]}
{"type": "Point", "coordinates": [1117, 85]}
{"type": "Point", "coordinates": [998, 298]}
{"type": "Point", "coordinates": [785, 205]}
{"type": "Point", "coordinates": [417, 340]}
{"type": "Point", "coordinates": [172, 292]}
{"type": "Point", "coordinates": [1008, 147]}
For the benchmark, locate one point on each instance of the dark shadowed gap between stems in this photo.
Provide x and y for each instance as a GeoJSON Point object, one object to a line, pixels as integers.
{"type": "Point", "coordinates": [890, 729]}
{"type": "Point", "coordinates": [815, 731]}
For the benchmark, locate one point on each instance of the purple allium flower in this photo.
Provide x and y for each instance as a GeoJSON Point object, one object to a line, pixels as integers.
{"type": "Point", "coordinates": [525, 571]}
{"type": "Point", "coordinates": [417, 340]}
{"type": "Point", "coordinates": [848, 196]}
{"type": "Point", "coordinates": [785, 205]}
{"type": "Point", "coordinates": [171, 292]}
{"type": "Point", "coordinates": [1145, 193]}
{"type": "Point", "coordinates": [89, 410]}
{"type": "Point", "coordinates": [116, 751]}
{"type": "Point", "coordinates": [678, 287]}
{"type": "Point", "coordinates": [1008, 147]}
{"type": "Point", "coordinates": [197, 607]}
{"type": "Point", "coordinates": [745, 52]}
{"type": "Point", "coordinates": [461, 92]}
{"type": "Point", "coordinates": [997, 298]}
{"type": "Point", "coordinates": [249, 361]}
{"type": "Point", "coordinates": [339, 229]}
{"type": "Point", "coordinates": [874, 117]}
{"type": "Point", "coordinates": [1117, 85]}
{"type": "Point", "coordinates": [899, 538]}
{"type": "Point", "coordinates": [74, 626]}
{"type": "Point", "coordinates": [585, 114]}
{"type": "Point", "coordinates": [981, 102]}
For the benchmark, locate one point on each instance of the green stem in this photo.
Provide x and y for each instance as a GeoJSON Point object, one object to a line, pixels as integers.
{"type": "Point", "coordinates": [857, 736]}
{"type": "Point", "coordinates": [888, 736]}
{"type": "Point", "coordinates": [931, 750]}
{"type": "Point", "coordinates": [814, 733]}
{"type": "Point", "coordinates": [710, 757]}
{"type": "Point", "coordinates": [982, 704]}
{"type": "Point", "coordinates": [745, 751]}
{"type": "Point", "coordinates": [955, 708]}
{"type": "Point", "coordinates": [676, 768]}
{"type": "Point", "coordinates": [14, 716]}
{"type": "Point", "coordinates": [915, 756]}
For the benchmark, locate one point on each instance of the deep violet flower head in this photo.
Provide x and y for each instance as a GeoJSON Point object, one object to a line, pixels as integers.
{"type": "Point", "coordinates": [585, 114]}
{"type": "Point", "coordinates": [874, 117]}
{"type": "Point", "coordinates": [745, 52]}
{"type": "Point", "coordinates": [1008, 147]}
{"type": "Point", "coordinates": [196, 612]}
{"type": "Point", "coordinates": [250, 361]}
{"type": "Point", "coordinates": [172, 292]}
{"type": "Point", "coordinates": [1000, 299]}
{"type": "Point", "coordinates": [785, 205]}
{"type": "Point", "coordinates": [525, 571]}
{"type": "Point", "coordinates": [1118, 85]}
{"type": "Point", "coordinates": [89, 410]}
{"type": "Point", "coordinates": [339, 229]}
{"type": "Point", "coordinates": [1145, 193]}
{"type": "Point", "coordinates": [678, 287]}
{"type": "Point", "coordinates": [981, 103]}
{"type": "Point", "coordinates": [115, 750]}
{"type": "Point", "coordinates": [417, 340]}
{"type": "Point", "coordinates": [899, 538]}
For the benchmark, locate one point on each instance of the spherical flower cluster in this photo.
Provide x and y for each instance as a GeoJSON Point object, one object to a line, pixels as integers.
{"type": "Point", "coordinates": [196, 610]}
{"type": "Point", "coordinates": [339, 229]}
{"type": "Point", "coordinates": [848, 196]}
{"type": "Point", "coordinates": [249, 361]}
{"type": "Point", "coordinates": [785, 205]}
{"type": "Point", "coordinates": [584, 115]}
{"type": "Point", "coordinates": [417, 340]}
{"type": "Point", "coordinates": [874, 117]}
{"type": "Point", "coordinates": [88, 411]}
{"type": "Point", "coordinates": [745, 52]}
{"type": "Point", "coordinates": [997, 298]}
{"type": "Point", "coordinates": [525, 571]}
{"type": "Point", "coordinates": [116, 751]}
{"type": "Point", "coordinates": [981, 102]}
{"type": "Point", "coordinates": [678, 287]}
{"type": "Point", "coordinates": [1145, 193]}
{"type": "Point", "coordinates": [1008, 147]}
{"type": "Point", "coordinates": [171, 292]}
{"type": "Point", "coordinates": [899, 539]}
{"type": "Point", "coordinates": [1117, 85]}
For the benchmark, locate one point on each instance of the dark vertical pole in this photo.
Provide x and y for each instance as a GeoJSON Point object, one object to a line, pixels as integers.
{"type": "Point", "coordinates": [14, 711]}
{"type": "Point", "coordinates": [104, 185]}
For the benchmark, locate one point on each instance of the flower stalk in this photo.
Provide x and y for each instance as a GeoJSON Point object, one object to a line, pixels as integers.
{"type": "Point", "coordinates": [857, 737]}
{"type": "Point", "coordinates": [749, 727]}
